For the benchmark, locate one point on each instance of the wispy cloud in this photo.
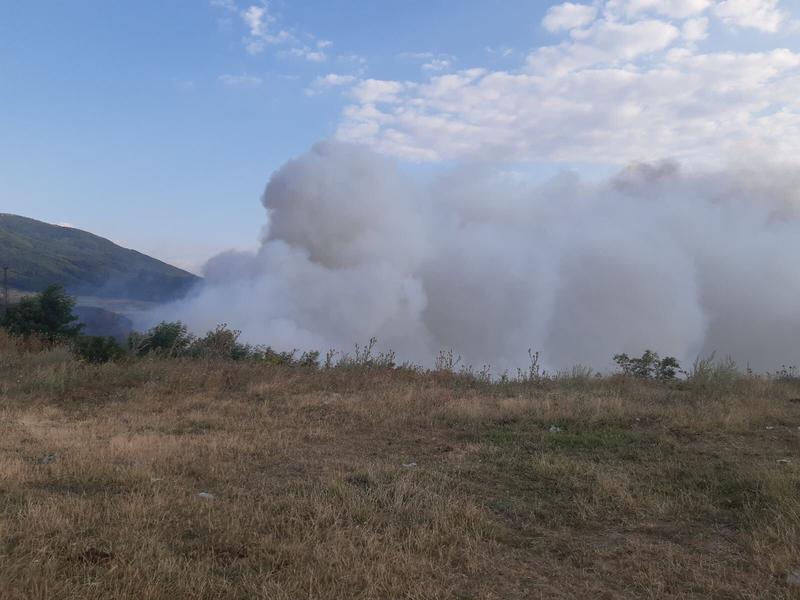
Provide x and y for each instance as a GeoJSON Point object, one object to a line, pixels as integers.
{"type": "Point", "coordinates": [334, 80]}
{"type": "Point", "coordinates": [306, 53]}
{"type": "Point", "coordinates": [264, 29]}
{"type": "Point", "coordinates": [241, 81]}
{"type": "Point", "coordinates": [432, 62]}
{"type": "Point", "coordinates": [438, 64]}
{"type": "Point", "coordinates": [331, 80]}
{"type": "Point", "coordinates": [502, 51]}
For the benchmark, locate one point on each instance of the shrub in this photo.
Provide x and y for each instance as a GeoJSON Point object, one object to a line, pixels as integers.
{"type": "Point", "coordinates": [97, 349]}
{"type": "Point", "coordinates": [275, 357]}
{"type": "Point", "coordinates": [446, 361]}
{"type": "Point", "coordinates": [166, 339]}
{"type": "Point", "coordinates": [48, 315]}
{"type": "Point", "coordinates": [309, 359]}
{"type": "Point", "coordinates": [648, 366]}
{"type": "Point", "coordinates": [707, 374]}
{"type": "Point", "coordinates": [787, 373]}
{"type": "Point", "coordinates": [365, 357]}
{"type": "Point", "coordinates": [221, 343]}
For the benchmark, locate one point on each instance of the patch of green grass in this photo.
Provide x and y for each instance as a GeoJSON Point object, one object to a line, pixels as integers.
{"type": "Point", "coordinates": [600, 442]}
{"type": "Point", "coordinates": [193, 428]}
{"type": "Point", "coordinates": [568, 476]}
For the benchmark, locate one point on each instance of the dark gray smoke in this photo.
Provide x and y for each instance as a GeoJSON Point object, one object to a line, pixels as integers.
{"type": "Point", "coordinates": [477, 260]}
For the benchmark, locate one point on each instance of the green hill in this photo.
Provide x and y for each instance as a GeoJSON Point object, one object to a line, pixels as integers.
{"type": "Point", "coordinates": [40, 254]}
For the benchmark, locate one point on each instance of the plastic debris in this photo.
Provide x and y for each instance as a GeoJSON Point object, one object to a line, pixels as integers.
{"type": "Point", "coordinates": [47, 459]}
{"type": "Point", "coordinates": [205, 496]}
{"type": "Point", "coordinates": [409, 465]}
{"type": "Point", "coordinates": [555, 429]}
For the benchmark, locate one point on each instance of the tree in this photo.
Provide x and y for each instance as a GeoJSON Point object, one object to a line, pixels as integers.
{"type": "Point", "coordinates": [48, 314]}
{"type": "Point", "coordinates": [648, 366]}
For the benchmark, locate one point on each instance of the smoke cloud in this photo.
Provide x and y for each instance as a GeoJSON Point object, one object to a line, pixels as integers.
{"type": "Point", "coordinates": [481, 261]}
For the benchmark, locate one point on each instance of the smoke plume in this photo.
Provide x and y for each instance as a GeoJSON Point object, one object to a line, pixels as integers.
{"type": "Point", "coordinates": [483, 262]}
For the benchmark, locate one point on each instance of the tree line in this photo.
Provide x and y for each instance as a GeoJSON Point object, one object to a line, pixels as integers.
{"type": "Point", "coordinates": [49, 316]}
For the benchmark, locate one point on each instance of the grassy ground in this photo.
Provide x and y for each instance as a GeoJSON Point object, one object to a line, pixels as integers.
{"type": "Point", "coordinates": [359, 483]}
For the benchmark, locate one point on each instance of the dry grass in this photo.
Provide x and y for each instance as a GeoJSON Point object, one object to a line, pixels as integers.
{"type": "Point", "coordinates": [647, 491]}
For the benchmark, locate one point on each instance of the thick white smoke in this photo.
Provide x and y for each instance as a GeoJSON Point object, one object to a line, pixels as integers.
{"type": "Point", "coordinates": [481, 262]}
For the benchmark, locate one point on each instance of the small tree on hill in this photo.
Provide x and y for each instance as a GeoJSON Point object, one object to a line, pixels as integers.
{"type": "Point", "coordinates": [48, 314]}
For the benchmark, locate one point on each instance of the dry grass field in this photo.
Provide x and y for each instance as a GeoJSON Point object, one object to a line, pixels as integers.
{"type": "Point", "coordinates": [376, 483]}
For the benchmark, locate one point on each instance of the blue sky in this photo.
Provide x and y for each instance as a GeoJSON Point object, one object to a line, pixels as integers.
{"type": "Point", "coordinates": [158, 123]}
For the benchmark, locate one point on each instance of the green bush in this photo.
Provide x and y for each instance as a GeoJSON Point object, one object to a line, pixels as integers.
{"type": "Point", "coordinates": [48, 315]}
{"type": "Point", "coordinates": [98, 349]}
{"type": "Point", "coordinates": [648, 366]}
{"type": "Point", "coordinates": [222, 342]}
{"type": "Point", "coordinates": [165, 339]}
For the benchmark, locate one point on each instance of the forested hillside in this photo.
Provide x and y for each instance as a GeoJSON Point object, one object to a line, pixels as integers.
{"type": "Point", "coordinates": [40, 254]}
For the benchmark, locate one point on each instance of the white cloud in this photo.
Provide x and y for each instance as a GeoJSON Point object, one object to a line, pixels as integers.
{"type": "Point", "coordinates": [254, 18]}
{"type": "Point", "coordinates": [676, 9]}
{"type": "Point", "coordinates": [331, 80]}
{"type": "Point", "coordinates": [264, 29]}
{"type": "Point", "coordinates": [695, 30]}
{"type": "Point", "coordinates": [241, 81]}
{"type": "Point", "coordinates": [431, 62]}
{"type": "Point", "coordinates": [568, 16]}
{"type": "Point", "coordinates": [351, 58]}
{"type": "Point", "coordinates": [629, 79]}
{"type": "Point", "coordinates": [764, 15]}
{"type": "Point", "coordinates": [621, 88]}
{"type": "Point", "coordinates": [438, 64]}
{"type": "Point", "coordinates": [308, 54]}
{"type": "Point", "coordinates": [503, 51]}
{"type": "Point", "coordinates": [334, 79]}
{"type": "Point", "coordinates": [371, 91]}
{"type": "Point", "coordinates": [605, 42]}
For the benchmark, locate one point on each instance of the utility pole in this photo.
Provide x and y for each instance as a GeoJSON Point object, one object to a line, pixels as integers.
{"type": "Point", "coordinates": [5, 288]}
